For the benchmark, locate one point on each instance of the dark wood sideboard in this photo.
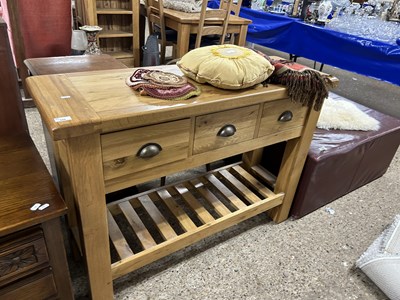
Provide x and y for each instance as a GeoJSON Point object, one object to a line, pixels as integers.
{"type": "Point", "coordinates": [33, 262]}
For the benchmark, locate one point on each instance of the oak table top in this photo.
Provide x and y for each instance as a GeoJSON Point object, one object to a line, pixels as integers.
{"type": "Point", "coordinates": [82, 103]}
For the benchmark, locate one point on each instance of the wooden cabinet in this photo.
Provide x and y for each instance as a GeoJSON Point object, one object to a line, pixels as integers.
{"type": "Point", "coordinates": [33, 263]}
{"type": "Point", "coordinates": [110, 123]}
{"type": "Point", "coordinates": [119, 20]}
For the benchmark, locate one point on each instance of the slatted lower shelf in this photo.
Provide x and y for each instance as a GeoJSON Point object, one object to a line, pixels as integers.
{"type": "Point", "coordinates": [148, 226]}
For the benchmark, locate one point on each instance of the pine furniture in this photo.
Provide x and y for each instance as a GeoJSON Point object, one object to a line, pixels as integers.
{"type": "Point", "coordinates": [186, 24]}
{"type": "Point", "coordinates": [207, 25]}
{"type": "Point", "coordinates": [156, 25]}
{"type": "Point", "coordinates": [109, 138]}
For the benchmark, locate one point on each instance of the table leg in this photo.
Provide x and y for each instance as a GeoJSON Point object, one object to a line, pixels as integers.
{"type": "Point", "coordinates": [85, 170]}
{"type": "Point", "coordinates": [291, 167]}
{"type": "Point", "coordinates": [57, 256]}
{"type": "Point", "coordinates": [183, 40]}
{"type": "Point", "coordinates": [241, 37]}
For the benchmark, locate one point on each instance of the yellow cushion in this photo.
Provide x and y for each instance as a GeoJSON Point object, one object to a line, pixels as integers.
{"type": "Point", "coordinates": [225, 66]}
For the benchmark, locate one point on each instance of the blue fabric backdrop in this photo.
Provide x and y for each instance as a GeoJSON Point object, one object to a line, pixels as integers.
{"type": "Point", "coordinates": [345, 51]}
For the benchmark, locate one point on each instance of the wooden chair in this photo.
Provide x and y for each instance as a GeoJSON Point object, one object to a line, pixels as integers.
{"type": "Point", "coordinates": [33, 259]}
{"type": "Point", "coordinates": [156, 23]}
{"type": "Point", "coordinates": [32, 37]}
{"type": "Point", "coordinates": [235, 10]}
{"type": "Point", "coordinates": [214, 22]}
{"type": "Point", "coordinates": [235, 7]}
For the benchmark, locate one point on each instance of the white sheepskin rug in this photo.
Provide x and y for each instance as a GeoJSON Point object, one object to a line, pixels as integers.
{"type": "Point", "coordinates": [344, 115]}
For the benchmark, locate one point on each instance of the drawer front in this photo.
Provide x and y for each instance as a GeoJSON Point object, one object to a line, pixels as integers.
{"type": "Point", "coordinates": [41, 285]}
{"type": "Point", "coordinates": [281, 115]}
{"type": "Point", "coordinates": [238, 125]}
{"type": "Point", "coordinates": [138, 149]}
{"type": "Point", "coordinates": [22, 256]}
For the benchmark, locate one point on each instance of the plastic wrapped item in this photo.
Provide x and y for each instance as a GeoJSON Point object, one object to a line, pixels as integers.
{"type": "Point", "coordinates": [367, 27]}
{"type": "Point", "coordinates": [381, 261]}
{"type": "Point", "coordinates": [258, 4]}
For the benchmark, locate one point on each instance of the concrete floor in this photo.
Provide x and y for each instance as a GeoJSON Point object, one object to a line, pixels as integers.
{"type": "Point", "coordinates": [309, 258]}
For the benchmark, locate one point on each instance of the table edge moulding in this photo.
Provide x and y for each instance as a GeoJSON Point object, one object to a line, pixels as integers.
{"type": "Point", "coordinates": [99, 126]}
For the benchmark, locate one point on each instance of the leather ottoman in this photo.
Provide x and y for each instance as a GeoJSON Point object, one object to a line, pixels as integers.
{"type": "Point", "coordinates": [340, 161]}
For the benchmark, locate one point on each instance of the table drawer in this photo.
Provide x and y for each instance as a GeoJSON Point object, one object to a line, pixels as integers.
{"type": "Point", "coordinates": [281, 115]}
{"type": "Point", "coordinates": [20, 255]}
{"type": "Point", "coordinates": [224, 128]}
{"type": "Point", "coordinates": [138, 149]}
{"type": "Point", "coordinates": [40, 285]}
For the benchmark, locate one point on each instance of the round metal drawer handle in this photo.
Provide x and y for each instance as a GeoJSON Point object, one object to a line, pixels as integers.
{"type": "Point", "coordinates": [149, 150]}
{"type": "Point", "coordinates": [227, 130]}
{"type": "Point", "coordinates": [286, 116]}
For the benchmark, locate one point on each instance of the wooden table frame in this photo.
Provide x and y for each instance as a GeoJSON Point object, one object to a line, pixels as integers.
{"type": "Point", "coordinates": [99, 105]}
{"type": "Point", "coordinates": [185, 24]}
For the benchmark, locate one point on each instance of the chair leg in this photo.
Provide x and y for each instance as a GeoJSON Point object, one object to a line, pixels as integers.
{"type": "Point", "coordinates": [162, 54]}
{"type": "Point", "coordinates": [163, 180]}
{"type": "Point", "coordinates": [293, 57]}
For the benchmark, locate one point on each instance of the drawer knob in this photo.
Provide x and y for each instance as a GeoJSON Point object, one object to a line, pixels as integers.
{"type": "Point", "coordinates": [286, 116]}
{"type": "Point", "coordinates": [149, 150]}
{"type": "Point", "coordinates": [227, 131]}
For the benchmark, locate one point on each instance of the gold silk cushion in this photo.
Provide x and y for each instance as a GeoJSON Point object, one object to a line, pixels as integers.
{"type": "Point", "coordinates": [225, 66]}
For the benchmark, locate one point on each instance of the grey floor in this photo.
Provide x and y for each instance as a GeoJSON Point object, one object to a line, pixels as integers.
{"type": "Point", "coordinates": [309, 258]}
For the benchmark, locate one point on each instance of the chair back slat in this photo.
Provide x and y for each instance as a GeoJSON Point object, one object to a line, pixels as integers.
{"type": "Point", "coordinates": [235, 7]}
{"type": "Point", "coordinates": [12, 115]}
{"type": "Point", "coordinates": [213, 22]}
{"type": "Point", "coordinates": [156, 23]}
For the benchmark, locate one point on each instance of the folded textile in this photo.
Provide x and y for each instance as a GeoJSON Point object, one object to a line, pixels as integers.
{"type": "Point", "coordinates": [163, 85]}
{"type": "Point", "coordinates": [184, 5]}
{"type": "Point", "coordinates": [304, 85]}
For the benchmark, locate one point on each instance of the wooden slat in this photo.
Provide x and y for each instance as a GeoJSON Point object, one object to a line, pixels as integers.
{"type": "Point", "coordinates": [236, 202]}
{"type": "Point", "coordinates": [262, 189]}
{"type": "Point", "coordinates": [219, 207]}
{"type": "Point", "coordinates": [137, 225]}
{"type": "Point", "coordinates": [265, 174]}
{"type": "Point", "coordinates": [200, 211]}
{"type": "Point", "coordinates": [147, 256]}
{"type": "Point", "coordinates": [163, 226]}
{"type": "Point", "coordinates": [240, 187]}
{"type": "Point", "coordinates": [116, 236]}
{"type": "Point", "coordinates": [183, 219]}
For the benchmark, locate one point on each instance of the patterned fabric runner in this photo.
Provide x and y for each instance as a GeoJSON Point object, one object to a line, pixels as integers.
{"type": "Point", "coordinates": [163, 85]}
{"type": "Point", "coordinates": [304, 85]}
